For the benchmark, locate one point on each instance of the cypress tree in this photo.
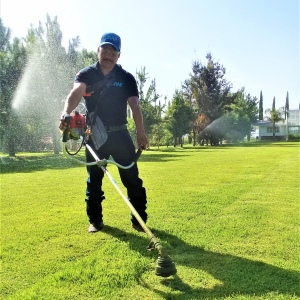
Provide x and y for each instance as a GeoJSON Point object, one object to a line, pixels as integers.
{"type": "Point", "coordinates": [287, 105]}
{"type": "Point", "coordinates": [261, 110]}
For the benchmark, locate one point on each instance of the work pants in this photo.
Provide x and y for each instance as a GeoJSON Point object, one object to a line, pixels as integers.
{"type": "Point", "coordinates": [120, 146]}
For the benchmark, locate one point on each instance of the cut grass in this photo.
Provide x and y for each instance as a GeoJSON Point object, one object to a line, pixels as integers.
{"type": "Point", "coordinates": [229, 216]}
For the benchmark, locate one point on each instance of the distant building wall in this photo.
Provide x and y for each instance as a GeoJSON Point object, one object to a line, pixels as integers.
{"type": "Point", "coordinates": [282, 129]}
{"type": "Point", "coordinates": [294, 121]}
{"type": "Point", "coordinates": [266, 131]}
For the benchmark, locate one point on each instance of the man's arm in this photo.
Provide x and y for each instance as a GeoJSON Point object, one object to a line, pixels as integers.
{"type": "Point", "coordinates": [74, 97]}
{"type": "Point", "coordinates": [134, 104]}
{"type": "Point", "coordinates": [72, 101]}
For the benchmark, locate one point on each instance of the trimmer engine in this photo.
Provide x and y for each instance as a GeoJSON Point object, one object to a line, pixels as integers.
{"type": "Point", "coordinates": [77, 125]}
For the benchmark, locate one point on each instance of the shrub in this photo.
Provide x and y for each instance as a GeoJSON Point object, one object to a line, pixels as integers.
{"type": "Point", "coordinates": [294, 137]}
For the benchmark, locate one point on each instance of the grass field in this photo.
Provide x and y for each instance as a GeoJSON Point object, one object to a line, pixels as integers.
{"type": "Point", "coordinates": [228, 216]}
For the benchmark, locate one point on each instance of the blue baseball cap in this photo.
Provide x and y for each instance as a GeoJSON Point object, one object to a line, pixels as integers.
{"type": "Point", "coordinates": [111, 39]}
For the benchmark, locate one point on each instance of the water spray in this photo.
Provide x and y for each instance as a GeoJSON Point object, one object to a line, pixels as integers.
{"type": "Point", "coordinates": [165, 266]}
{"type": "Point", "coordinates": [220, 126]}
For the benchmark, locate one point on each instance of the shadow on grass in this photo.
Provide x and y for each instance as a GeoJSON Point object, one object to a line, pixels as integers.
{"type": "Point", "coordinates": [40, 162]}
{"type": "Point", "coordinates": [34, 162]}
{"type": "Point", "coordinates": [229, 146]}
{"type": "Point", "coordinates": [31, 162]}
{"type": "Point", "coordinates": [264, 144]}
{"type": "Point", "coordinates": [237, 275]}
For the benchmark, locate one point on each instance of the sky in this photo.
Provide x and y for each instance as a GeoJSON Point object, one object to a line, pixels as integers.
{"type": "Point", "coordinates": [257, 41]}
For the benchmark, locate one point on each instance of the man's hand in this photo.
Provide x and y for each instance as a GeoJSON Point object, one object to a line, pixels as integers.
{"type": "Point", "coordinates": [63, 123]}
{"type": "Point", "coordinates": [142, 141]}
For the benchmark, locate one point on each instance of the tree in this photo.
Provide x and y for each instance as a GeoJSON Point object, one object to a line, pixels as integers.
{"type": "Point", "coordinates": [151, 112]}
{"type": "Point", "coordinates": [244, 113]}
{"type": "Point", "coordinates": [5, 34]}
{"type": "Point", "coordinates": [274, 115]}
{"type": "Point", "coordinates": [157, 135]}
{"type": "Point", "coordinates": [12, 61]}
{"type": "Point", "coordinates": [261, 107]}
{"type": "Point", "coordinates": [287, 106]}
{"type": "Point", "coordinates": [199, 125]}
{"type": "Point", "coordinates": [85, 58]}
{"type": "Point", "coordinates": [209, 88]}
{"type": "Point", "coordinates": [273, 104]}
{"type": "Point", "coordinates": [180, 117]}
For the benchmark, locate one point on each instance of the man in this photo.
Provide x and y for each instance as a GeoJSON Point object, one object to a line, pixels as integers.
{"type": "Point", "coordinates": [109, 103]}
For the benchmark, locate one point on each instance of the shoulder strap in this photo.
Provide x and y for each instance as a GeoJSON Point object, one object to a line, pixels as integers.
{"type": "Point", "coordinates": [102, 84]}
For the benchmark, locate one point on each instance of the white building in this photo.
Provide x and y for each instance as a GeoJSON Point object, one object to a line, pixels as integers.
{"type": "Point", "coordinates": [282, 129]}
{"type": "Point", "coordinates": [293, 121]}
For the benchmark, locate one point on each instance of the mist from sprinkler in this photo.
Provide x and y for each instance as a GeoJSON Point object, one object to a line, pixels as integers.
{"type": "Point", "coordinates": [41, 91]}
{"type": "Point", "coordinates": [220, 126]}
{"type": "Point", "coordinates": [225, 126]}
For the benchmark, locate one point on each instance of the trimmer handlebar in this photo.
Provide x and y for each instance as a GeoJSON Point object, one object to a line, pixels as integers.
{"type": "Point", "coordinates": [137, 155]}
{"type": "Point", "coordinates": [103, 162]}
{"type": "Point", "coordinates": [67, 118]}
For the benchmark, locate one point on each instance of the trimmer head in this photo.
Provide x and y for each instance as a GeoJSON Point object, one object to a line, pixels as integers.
{"type": "Point", "coordinates": [165, 266]}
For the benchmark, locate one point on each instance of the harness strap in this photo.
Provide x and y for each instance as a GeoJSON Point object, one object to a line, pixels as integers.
{"type": "Point", "coordinates": [104, 83]}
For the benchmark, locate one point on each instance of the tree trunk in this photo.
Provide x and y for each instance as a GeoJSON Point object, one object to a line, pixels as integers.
{"type": "Point", "coordinates": [11, 147]}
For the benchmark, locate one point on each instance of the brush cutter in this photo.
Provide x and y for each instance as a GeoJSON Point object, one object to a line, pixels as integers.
{"type": "Point", "coordinates": [76, 133]}
{"type": "Point", "coordinates": [165, 266]}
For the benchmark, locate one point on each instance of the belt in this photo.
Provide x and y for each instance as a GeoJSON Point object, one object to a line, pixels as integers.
{"type": "Point", "coordinates": [116, 128]}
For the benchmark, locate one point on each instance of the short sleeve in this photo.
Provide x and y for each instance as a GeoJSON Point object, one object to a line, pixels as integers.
{"type": "Point", "coordinates": [81, 76]}
{"type": "Point", "coordinates": [132, 89]}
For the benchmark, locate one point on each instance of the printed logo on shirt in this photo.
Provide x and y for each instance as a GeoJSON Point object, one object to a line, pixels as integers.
{"type": "Point", "coordinates": [118, 84]}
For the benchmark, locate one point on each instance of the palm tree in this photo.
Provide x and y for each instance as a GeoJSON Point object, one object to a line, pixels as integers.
{"type": "Point", "coordinates": [275, 115]}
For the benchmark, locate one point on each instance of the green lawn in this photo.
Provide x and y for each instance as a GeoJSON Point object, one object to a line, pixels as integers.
{"type": "Point", "coordinates": [228, 216]}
